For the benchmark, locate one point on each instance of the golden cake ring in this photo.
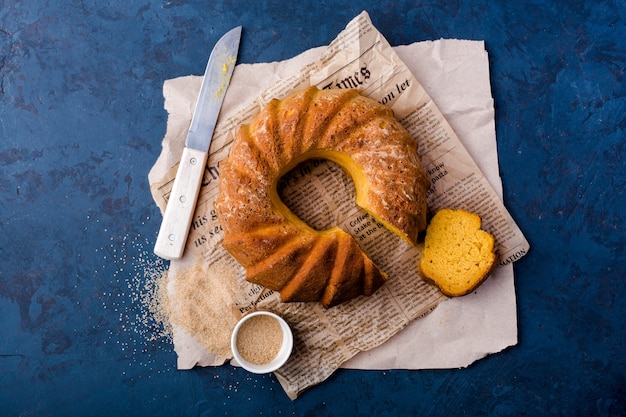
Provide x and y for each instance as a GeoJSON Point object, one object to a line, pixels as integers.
{"type": "Point", "coordinates": [278, 249]}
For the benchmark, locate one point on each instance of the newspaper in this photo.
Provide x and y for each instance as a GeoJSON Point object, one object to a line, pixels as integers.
{"type": "Point", "coordinates": [321, 194]}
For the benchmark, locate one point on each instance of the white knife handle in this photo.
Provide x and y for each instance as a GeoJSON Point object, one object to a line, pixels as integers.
{"type": "Point", "coordinates": [170, 243]}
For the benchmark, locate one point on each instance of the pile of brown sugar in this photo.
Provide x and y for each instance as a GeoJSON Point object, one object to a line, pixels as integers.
{"type": "Point", "coordinates": [199, 297]}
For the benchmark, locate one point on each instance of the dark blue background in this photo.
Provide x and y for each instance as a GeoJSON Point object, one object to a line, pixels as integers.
{"type": "Point", "coordinates": [81, 122]}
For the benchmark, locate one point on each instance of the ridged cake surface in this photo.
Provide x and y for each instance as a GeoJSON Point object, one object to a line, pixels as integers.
{"type": "Point", "coordinates": [280, 251]}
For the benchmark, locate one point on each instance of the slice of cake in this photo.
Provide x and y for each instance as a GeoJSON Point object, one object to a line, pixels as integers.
{"type": "Point", "coordinates": [458, 255]}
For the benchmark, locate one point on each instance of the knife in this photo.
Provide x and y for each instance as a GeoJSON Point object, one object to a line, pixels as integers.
{"type": "Point", "coordinates": [170, 243]}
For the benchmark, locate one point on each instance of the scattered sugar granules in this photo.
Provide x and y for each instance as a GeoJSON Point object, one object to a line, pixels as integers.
{"type": "Point", "coordinates": [198, 306]}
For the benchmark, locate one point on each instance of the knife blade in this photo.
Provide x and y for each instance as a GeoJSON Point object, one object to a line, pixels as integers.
{"type": "Point", "coordinates": [172, 237]}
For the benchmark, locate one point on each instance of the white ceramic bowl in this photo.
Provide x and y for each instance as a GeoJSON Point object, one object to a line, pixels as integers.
{"type": "Point", "coordinates": [280, 358]}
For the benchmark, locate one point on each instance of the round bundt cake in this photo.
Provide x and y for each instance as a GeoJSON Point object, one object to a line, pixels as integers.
{"type": "Point", "coordinates": [279, 250]}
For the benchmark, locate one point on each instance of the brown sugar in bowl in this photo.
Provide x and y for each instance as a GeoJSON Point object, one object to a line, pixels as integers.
{"type": "Point", "coordinates": [261, 342]}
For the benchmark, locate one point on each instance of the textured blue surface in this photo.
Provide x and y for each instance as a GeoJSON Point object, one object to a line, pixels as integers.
{"type": "Point", "coordinates": [81, 120]}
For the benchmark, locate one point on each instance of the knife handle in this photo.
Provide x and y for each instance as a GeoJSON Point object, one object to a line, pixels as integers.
{"type": "Point", "coordinates": [170, 243]}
